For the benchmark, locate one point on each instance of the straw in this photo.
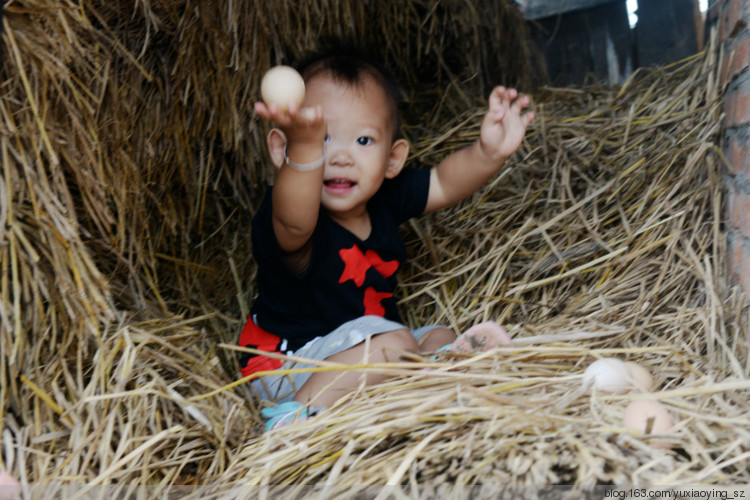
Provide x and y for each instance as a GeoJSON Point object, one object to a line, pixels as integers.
{"type": "Point", "coordinates": [131, 167]}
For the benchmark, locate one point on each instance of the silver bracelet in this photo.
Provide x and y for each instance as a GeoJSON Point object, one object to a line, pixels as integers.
{"type": "Point", "coordinates": [305, 167]}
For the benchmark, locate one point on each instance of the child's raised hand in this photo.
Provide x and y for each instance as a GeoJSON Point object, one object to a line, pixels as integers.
{"type": "Point", "coordinates": [504, 125]}
{"type": "Point", "coordinates": [304, 124]}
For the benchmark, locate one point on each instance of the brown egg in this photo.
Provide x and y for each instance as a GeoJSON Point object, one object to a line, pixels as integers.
{"type": "Point", "coordinates": [648, 417]}
{"type": "Point", "coordinates": [640, 377]}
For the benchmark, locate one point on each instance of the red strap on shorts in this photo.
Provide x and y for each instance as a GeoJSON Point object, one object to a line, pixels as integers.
{"type": "Point", "coordinates": [256, 337]}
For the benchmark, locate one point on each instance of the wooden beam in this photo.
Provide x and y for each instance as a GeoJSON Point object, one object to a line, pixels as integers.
{"type": "Point", "coordinates": [537, 9]}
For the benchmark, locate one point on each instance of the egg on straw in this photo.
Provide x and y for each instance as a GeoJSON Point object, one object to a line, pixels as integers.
{"type": "Point", "coordinates": [647, 416]}
{"type": "Point", "coordinates": [607, 375]}
{"type": "Point", "coordinates": [613, 375]}
{"type": "Point", "coordinates": [640, 377]}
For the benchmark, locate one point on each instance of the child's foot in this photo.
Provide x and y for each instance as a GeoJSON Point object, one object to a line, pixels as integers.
{"type": "Point", "coordinates": [286, 413]}
{"type": "Point", "coordinates": [9, 487]}
{"type": "Point", "coordinates": [481, 337]}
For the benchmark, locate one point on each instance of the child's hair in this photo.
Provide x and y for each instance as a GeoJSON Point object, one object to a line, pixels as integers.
{"type": "Point", "coordinates": [349, 63]}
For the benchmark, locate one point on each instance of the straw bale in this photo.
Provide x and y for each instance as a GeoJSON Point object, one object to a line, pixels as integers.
{"type": "Point", "coordinates": [132, 165]}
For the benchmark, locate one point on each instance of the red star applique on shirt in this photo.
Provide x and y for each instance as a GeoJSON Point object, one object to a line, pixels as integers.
{"type": "Point", "coordinates": [373, 301]}
{"type": "Point", "coordinates": [357, 263]}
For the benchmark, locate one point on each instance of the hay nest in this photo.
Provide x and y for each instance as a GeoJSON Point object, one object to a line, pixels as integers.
{"type": "Point", "coordinates": [602, 238]}
{"type": "Point", "coordinates": [125, 273]}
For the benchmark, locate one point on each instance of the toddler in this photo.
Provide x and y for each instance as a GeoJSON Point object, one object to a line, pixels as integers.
{"type": "Point", "coordinates": [326, 237]}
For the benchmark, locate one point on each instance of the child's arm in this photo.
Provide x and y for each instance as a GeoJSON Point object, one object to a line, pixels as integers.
{"type": "Point", "coordinates": [461, 174]}
{"type": "Point", "coordinates": [296, 193]}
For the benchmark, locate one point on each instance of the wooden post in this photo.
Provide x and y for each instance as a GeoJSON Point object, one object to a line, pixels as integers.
{"type": "Point", "coordinates": [579, 45]}
{"type": "Point", "coordinates": [666, 31]}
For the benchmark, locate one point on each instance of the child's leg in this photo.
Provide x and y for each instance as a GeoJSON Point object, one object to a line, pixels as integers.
{"type": "Point", "coordinates": [436, 338]}
{"type": "Point", "coordinates": [325, 388]}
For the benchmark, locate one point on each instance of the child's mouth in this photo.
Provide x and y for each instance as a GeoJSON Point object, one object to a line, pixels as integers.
{"type": "Point", "coordinates": [338, 185]}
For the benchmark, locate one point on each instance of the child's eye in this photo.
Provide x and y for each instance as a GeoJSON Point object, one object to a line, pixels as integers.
{"type": "Point", "coordinates": [327, 139]}
{"type": "Point", "coordinates": [364, 141]}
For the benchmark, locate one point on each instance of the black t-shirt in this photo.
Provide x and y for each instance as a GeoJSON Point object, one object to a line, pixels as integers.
{"type": "Point", "coordinates": [347, 277]}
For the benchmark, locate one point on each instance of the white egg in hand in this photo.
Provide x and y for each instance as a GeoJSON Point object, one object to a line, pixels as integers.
{"type": "Point", "coordinates": [282, 86]}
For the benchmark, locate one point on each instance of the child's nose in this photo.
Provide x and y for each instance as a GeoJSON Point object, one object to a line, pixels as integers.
{"type": "Point", "coordinates": [338, 154]}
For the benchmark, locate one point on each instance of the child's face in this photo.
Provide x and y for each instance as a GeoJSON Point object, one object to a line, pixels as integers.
{"type": "Point", "coordinates": [358, 142]}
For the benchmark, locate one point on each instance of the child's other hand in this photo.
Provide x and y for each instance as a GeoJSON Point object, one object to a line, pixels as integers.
{"type": "Point", "coordinates": [504, 125]}
{"type": "Point", "coordinates": [299, 124]}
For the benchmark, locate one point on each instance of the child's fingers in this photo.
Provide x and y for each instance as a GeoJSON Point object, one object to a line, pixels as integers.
{"type": "Point", "coordinates": [293, 116]}
{"type": "Point", "coordinates": [528, 118]}
{"type": "Point", "coordinates": [502, 97]}
{"type": "Point", "coordinates": [307, 114]}
{"type": "Point", "coordinates": [496, 97]}
{"type": "Point", "coordinates": [269, 111]}
{"type": "Point", "coordinates": [522, 102]}
{"type": "Point", "coordinates": [311, 114]}
{"type": "Point", "coordinates": [504, 93]}
{"type": "Point", "coordinates": [262, 109]}
{"type": "Point", "coordinates": [498, 113]}
{"type": "Point", "coordinates": [304, 115]}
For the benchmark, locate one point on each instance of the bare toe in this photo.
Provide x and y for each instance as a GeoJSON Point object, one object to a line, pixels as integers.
{"type": "Point", "coordinates": [481, 337]}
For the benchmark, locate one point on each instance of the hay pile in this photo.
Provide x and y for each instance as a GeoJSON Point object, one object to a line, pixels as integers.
{"type": "Point", "coordinates": [130, 174]}
{"type": "Point", "coordinates": [602, 238]}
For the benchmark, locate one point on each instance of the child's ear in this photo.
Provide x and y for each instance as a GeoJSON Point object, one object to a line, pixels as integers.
{"type": "Point", "coordinates": [276, 141]}
{"type": "Point", "coordinates": [397, 158]}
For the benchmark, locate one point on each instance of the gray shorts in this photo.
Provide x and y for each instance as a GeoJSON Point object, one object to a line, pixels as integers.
{"type": "Point", "coordinates": [283, 387]}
